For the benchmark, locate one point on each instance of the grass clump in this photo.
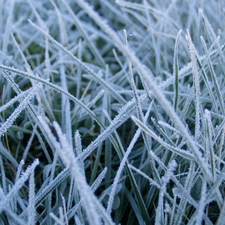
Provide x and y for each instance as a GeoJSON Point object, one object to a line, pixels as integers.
{"type": "Point", "coordinates": [112, 112]}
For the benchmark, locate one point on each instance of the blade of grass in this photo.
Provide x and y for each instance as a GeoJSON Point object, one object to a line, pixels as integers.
{"type": "Point", "coordinates": [176, 72]}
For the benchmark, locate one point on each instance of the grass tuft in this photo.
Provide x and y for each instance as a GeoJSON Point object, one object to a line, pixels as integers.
{"type": "Point", "coordinates": [112, 112]}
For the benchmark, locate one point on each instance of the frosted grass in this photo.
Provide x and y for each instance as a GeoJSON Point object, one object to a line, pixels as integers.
{"type": "Point", "coordinates": [119, 171]}
{"type": "Point", "coordinates": [90, 71]}
{"type": "Point", "coordinates": [149, 81]}
{"type": "Point", "coordinates": [31, 205]}
{"type": "Point", "coordinates": [176, 71]}
{"type": "Point", "coordinates": [19, 183]}
{"type": "Point", "coordinates": [196, 86]}
{"type": "Point", "coordinates": [8, 123]}
{"type": "Point", "coordinates": [129, 97]}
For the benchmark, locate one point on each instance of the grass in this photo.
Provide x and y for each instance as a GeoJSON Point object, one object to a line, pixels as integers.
{"type": "Point", "coordinates": [112, 112]}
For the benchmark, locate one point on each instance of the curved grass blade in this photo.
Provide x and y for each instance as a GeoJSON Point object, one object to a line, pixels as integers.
{"type": "Point", "coordinates": [176, 72]}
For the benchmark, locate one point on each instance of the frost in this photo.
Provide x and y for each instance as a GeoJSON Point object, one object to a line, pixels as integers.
{"type": "Point", "coordinates": [19, 183]}
{"type": "Point", "coordinates": [177, 192]}
{"type": "Point", "coordinates": [121, 117]}
{"type": "Point", "coordinates": [5, 126]}
{"type": "Point", "coordinates": [107, 85]}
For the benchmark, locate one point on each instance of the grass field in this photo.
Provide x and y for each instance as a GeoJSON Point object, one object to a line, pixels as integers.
{"type": "Point", "coordinates": [112, 112]}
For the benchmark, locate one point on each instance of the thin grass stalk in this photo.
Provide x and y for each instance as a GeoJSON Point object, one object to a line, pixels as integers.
{"type": "Point", "coordinates": [31, 205]}
{"type": "Point", "coordinates": [8, 155]}
{"type": "Point", "coordinates": [5, 126]}
{"type": "Point", "coordinates": [196, 86]}
{"type": "Point", "coordinates": [176, 72]}
{"type": "Point", "coordinates": [119, 171]}
{"type": "Point", "coordinates": [210, 143]}
{"type": "Point", "coordinates": [200, 210]}
{"type": "Point", "coordinates": [15, 99]}
{"type": "Point", "coordinates": [160, 217]}
{"type": "Point", "coordinates": [3, 177]}
{"type": "Point", "coordinates": [78, 150]}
